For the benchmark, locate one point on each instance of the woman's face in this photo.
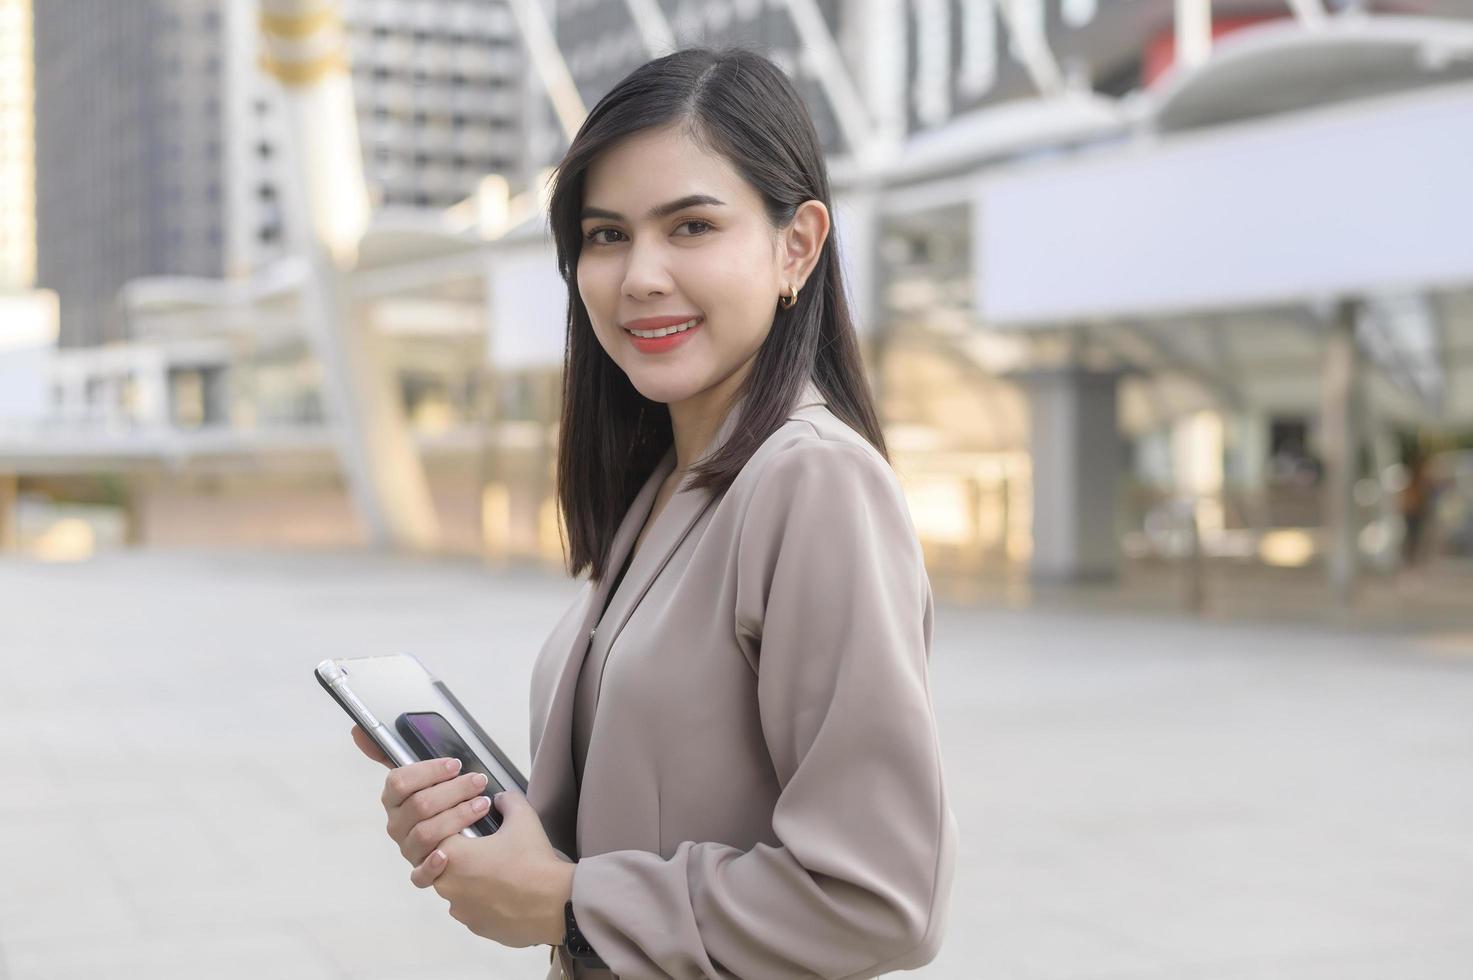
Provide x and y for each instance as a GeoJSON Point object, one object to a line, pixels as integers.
{"type": "Point", "coordinates": [672, 233]}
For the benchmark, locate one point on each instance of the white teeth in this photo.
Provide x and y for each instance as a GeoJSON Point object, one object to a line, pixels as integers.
{"type": "Point", "coordinates": [665, 331]}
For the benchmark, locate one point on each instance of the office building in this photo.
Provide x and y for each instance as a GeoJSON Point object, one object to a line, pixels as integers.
{"type": "Point", "coordinates": [439, 90]}
{"type": "Point", "coordinates": [160, 143]}
{"type": "Point", "coordinates": [131, 165]}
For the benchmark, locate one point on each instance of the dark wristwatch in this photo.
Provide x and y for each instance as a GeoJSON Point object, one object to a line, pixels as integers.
{"type": "Point", "coordinates": [578, 947]}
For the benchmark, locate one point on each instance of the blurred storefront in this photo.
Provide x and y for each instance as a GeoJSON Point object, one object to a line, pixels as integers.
{"type": "Point", "coordinates": [1156, 295]}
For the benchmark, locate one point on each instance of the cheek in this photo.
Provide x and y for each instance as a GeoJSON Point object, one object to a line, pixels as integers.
{"type": "Point", "coordinates": [733, 286]}
{"type": "Point", "coordinates": [593, 287]}
{"type": "Point", "coordinates": [587, 284]}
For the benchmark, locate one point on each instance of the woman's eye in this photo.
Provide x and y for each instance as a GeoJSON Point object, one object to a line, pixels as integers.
{"type": "Point", "coordinates": [592, 236]}
{"type": "Point", "coordinates": [701, 228]}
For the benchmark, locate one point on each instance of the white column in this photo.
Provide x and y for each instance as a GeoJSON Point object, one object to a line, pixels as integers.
{"type": "Point", "coordinates": [1341, 424]}
{"type": "Point", "coordinates": [1193, 33]}
{"type": "Point", "coordinates": [870, 39]}
{"type": "Point", "coordinates": [933, 62]}
{"type": "Point", "coordinates": [1077, 463]}
{"type": "Point", "coordinates": [327, 204]}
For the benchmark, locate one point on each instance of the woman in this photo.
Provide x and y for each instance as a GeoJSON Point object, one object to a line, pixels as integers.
{"type": "Point", "coordinates": [735, 761]}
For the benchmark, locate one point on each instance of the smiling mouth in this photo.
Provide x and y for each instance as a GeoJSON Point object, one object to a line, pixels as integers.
{"type": "Point", "coordinates": [664, 331]}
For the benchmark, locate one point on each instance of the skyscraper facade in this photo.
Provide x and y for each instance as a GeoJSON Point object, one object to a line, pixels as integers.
{"type": "Point", "coordinates": [129, 152]}
{"type": "Point", "coordinates": [162, 145]}
{"type": "Point", "coordinates": [439, 91]}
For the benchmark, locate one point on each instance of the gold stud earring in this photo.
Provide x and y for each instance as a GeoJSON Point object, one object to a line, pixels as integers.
{"type": "Point", "coordinates": [786, 302]}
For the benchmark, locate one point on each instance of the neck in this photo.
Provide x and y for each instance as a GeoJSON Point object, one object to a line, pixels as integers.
{"type": "Point", "coordinates": [695, 420]}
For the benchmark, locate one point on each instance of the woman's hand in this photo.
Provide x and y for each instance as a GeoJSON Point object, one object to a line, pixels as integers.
{"type": "Point", "coordinates": [509, 887]}
{"type": "Point", "coordinates": [427, 804]}
{"type": "Point", "coordinates": [370, 748]}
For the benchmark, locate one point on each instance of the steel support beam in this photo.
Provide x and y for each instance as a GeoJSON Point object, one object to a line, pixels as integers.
{"type": "Point", "coordinates": [548, 63]}
{"type": "Point", "coordinates": [1032, 47]}
{"type": "Point", "coordinates": [659, 39]}
{"type": "Point", "coordinates": [833, 75]}
{"type": "Point", "coordinates": [1310, 13]}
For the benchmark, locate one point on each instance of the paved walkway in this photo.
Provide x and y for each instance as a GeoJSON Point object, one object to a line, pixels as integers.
{"type": "Point", "coordinates": [1141, 798]}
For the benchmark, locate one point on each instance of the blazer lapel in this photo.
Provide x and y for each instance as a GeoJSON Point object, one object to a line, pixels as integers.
{"type": "Point", "coordinates": [551, 786]}
{"type": "Point", "coordinates": [673, 524]}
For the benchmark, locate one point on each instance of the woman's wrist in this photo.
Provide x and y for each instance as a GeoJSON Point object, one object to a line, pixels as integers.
{"type": "Point", "coordinates": [560, 893]}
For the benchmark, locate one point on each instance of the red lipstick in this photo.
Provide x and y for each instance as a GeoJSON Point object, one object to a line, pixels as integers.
{"type": "Point", "coordinates": [658, 345]}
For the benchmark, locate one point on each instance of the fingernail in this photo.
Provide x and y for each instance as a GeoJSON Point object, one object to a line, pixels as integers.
{"type": "Point", "coordinates": [440, 856]}
{"type": "Point", "coordinates": [451, 765]}
{"type": "Point", "coordinates": [478, 780]}
{"type": "Point", "coordinates": [480, 803]}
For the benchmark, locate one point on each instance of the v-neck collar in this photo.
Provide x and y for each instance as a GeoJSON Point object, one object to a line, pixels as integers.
{"type": "Point", "coordinates": [680, 512]}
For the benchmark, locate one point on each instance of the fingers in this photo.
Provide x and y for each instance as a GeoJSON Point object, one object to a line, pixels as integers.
{"type": "Point", "coordinates": [513, 806]}
{"type": "Point", "coordinates": [368, 747]}
{"type": "Point", "coordinates": [434, 813]}
{"type": "Point", "coordinates": [424, 836]}
{"type": "Point", "coordinates": [438, 798]}
{"type": "Point", "coordinates": [428, 871]}
{"type": "Point", "coordinates": [405, 781]}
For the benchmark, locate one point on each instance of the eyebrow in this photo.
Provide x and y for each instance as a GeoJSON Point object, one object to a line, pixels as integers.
{"type": "Point", "coordinates": [658, 211]}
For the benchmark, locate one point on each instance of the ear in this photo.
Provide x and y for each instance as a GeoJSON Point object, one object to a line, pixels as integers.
{"type": "Point", "coordinates": [800, 243]}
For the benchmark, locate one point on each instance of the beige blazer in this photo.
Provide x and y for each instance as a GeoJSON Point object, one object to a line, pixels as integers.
{"type": "Point", "coordinates": [763, 794]}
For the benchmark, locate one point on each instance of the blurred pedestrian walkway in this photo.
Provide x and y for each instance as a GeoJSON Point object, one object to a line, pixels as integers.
{"type": "Point", "coordinates": [1142, 797]}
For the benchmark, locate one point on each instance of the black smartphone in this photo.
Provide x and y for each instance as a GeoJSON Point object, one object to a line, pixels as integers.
{"type": "Point", "coordinates": [430, 736]}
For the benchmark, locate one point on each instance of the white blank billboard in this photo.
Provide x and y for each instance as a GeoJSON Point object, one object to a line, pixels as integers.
{"type": "Point", "coordinates": [529, 305]}
{"type": "Point", "coordinates": [1352, 199]}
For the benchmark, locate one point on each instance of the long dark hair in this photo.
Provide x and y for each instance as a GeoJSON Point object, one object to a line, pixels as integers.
{"type": "Point", "coordinates": [740, 105]}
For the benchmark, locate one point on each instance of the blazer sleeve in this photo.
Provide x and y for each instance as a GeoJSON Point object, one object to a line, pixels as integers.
{"type": "Point", "coordinates": [835, 609]}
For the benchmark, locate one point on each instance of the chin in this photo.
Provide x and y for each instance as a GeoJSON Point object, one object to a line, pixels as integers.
{"type": "Point", "coordinates": [664, 390]}
{"type": "Point", "coordinates": [668, 386]}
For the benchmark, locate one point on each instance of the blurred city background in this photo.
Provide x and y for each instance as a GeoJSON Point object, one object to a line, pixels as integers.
{"type": "Point", "coordinates": [1168, 307]}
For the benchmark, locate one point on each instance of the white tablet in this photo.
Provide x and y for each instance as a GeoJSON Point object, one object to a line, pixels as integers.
{"type": "Point", "coordinates": [413, 716]}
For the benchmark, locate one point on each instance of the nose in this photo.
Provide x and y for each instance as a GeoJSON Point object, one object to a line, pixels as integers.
{"type": "Point", "coordinates": [645, 273]}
